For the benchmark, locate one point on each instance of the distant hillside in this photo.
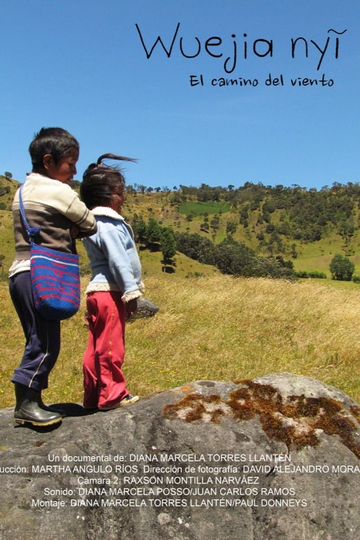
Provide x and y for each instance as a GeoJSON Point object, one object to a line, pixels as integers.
{"type": "Point", "coordinates": [8, 186]}
{"type": "Point", "coordinates": [305, 226]}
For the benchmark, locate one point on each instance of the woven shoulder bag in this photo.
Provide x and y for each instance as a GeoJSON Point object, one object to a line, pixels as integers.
{"type": "Point", "coordinates": [55, 277]}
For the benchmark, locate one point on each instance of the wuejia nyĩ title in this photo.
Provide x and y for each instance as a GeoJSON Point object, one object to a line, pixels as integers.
{"type": "Point", "coordinates": [218, 48]}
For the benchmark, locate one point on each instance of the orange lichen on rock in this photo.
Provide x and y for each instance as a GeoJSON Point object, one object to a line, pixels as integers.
{"type": "Point", "coordinates": [296, 420]}
{"type": "Point", "coordinates": [184, 389]}
{"type": "Point", "coordinates": [197, 407]}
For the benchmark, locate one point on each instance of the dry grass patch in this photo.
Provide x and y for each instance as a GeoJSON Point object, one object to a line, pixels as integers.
{"type": "Point", "coordinates": [214, 327]}
{"type": "Point", "coordinates": [223, 328]}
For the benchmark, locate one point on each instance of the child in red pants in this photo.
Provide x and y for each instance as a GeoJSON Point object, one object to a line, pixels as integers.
{"type": "Point", "coordinates": [114, 287]}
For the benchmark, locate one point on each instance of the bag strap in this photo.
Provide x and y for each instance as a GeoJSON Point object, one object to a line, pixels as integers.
{"type": "Point", "coordinates": [31, 231]}
{"type": "Point", "coordinates": [34, 231]}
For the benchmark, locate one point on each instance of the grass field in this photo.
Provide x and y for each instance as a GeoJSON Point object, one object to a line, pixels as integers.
{"type": "Point", "coordinates": [212, 327]}
{"type": "Point", "coordinates": [197, 208]}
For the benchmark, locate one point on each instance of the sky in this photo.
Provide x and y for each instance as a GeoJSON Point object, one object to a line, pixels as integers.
{"type": "Point", "coordinates": [97, 69]}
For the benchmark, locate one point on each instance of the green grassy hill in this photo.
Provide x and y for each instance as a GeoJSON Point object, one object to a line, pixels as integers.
{"type": "Point", "coordinates": [305, 227]}
{"type": "Point", "coordinates": [275, 237]}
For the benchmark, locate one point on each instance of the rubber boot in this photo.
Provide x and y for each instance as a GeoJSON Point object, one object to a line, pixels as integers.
{"type": "Point", "coordinates": [51, 408]}
{"type": "Point", "coordinates": [28, 411]}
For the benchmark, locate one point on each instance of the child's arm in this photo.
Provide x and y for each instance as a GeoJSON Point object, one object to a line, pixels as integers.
{"type": "Point", "coordinates": [124, 262]}
{"type": "Point", "coordinates": [83, 221]}
{"type": "Point", "coordinates": [67, 202]}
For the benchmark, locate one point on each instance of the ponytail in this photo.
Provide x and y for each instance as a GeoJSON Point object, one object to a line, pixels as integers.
{"type": "Point", "coordinates": [101, 181]}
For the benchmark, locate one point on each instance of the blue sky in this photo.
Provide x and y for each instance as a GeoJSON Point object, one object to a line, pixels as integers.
{"type": "Point", "coordinates": [81, 65]}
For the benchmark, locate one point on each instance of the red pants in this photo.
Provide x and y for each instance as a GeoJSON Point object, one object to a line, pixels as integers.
{"type": "Point", "coordinates": [104, 381]}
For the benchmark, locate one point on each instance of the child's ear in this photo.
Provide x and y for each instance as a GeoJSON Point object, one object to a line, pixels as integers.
{"type": "Point", "coordinates": [48, 161]}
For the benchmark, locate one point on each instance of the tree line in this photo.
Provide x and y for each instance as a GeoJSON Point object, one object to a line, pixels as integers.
{"type": "Point", "coordinates": [305, 215]}
{"type": "Point", "coordinates": [229, 256]}
{"type": "Point", "coordinates": [291, 212]}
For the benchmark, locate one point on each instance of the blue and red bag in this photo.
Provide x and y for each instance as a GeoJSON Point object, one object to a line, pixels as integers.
{"type": "Point", "coordinates": [55, 282]}
{"type": "Point", "coordinates": [55, 277]}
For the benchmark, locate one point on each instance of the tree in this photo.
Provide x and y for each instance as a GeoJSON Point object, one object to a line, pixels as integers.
{"type": "Point", "coordinates": [214, 223]}
{"type": "Point", "coordinates": [196, 247]}
{"type": "Point", "coordinates": [153, 234]}
{"type": "Point", "coordinates": [168, 244]}
{"type": "Point", "coordinates": [231, 227]}
{"type": "Point", "coordinates": [130, 189]}
{"type": "Point", "coordinates": [139, 228]}
{"type": "Point", "coordinates": [234, 258]}
{"type": "Point", "coordinates": [341, 268]}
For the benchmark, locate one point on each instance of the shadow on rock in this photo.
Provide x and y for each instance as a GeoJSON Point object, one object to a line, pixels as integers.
{"type": "Point", "coordinates": [71, 409]}
{"type": "Point", "coordinates": [38, 429]}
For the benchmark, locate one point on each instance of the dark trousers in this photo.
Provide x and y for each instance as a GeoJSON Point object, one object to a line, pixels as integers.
{"type": "Point", "coordinates": [42, 336]}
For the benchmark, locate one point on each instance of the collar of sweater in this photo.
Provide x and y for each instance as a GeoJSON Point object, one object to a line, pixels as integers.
{"type": "Point", "coordinates": [33, 176]}
{"type": "Point", "coordinates": [107, 211]}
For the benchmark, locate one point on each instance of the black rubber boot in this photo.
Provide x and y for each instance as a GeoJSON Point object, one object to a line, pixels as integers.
{"type": "Point", "coordinates": [28, 411]}
{"type": "Point", "coordinates": [51, 408]}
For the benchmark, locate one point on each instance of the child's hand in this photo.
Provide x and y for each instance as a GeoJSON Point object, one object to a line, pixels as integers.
{"type": "Point", "coordinates": [131, 307]}
{"type": "Point", "coordinates": [74, 231]}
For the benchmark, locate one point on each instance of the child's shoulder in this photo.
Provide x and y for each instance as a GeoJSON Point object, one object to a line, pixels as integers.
{"type": "Point", "coordinates": [39, 182]}
{"type": "Point", "coordinates": [106, 214]}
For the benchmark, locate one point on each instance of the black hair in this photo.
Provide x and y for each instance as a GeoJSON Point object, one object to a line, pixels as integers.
{"type": "Point", "coordinates": [101, 182]}
{"type": "Point", "coordinates": [57, 142]}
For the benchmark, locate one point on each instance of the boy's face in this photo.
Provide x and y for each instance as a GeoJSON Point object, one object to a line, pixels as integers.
{"type": "Point", "coordinates": [64, 170]}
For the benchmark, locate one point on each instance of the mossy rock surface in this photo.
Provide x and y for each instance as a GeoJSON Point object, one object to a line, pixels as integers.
{"type": "Point", "coordinates": [275, 457]}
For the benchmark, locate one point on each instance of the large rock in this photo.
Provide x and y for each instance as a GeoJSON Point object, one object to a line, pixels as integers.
{"type": "Point", "coordinates": [272, 458]}
{"type": "Point", "coordinates": [145, 308]}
